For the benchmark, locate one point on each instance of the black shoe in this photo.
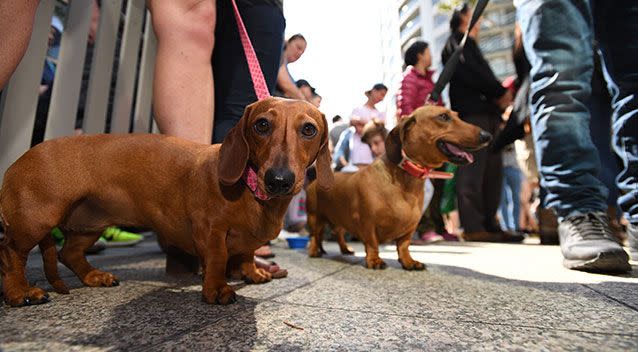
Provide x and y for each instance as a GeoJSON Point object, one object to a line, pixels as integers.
{"type": "Point", "coordinates": [588, 244]}
{"type": "Point", "coordinates": [632, 240]}
{"type": "Point", "coordinates": [499, 237]}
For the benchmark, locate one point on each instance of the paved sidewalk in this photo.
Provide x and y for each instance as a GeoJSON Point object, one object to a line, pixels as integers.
{"type": "Point", "coordinates": [474, 296]}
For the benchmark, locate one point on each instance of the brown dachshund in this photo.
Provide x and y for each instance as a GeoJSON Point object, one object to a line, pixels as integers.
{"type": "Point", "coordinates": [383, 201]}
{"type": "Point", "coordinates": [218, 202]}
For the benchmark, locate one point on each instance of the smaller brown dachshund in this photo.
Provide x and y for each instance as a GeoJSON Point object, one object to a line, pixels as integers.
{"type": "Point", "coordinates": [216, 202]}
{"type": "Point", "coordinates": [383, 201]}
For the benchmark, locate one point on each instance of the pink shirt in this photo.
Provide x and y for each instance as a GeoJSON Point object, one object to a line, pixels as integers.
{"type": "Point", "coordinates": [360, 152]}
{"type": "Point", "coordinates": [415, 88]}
{"type": "Point", "coordinates": [366, 114]}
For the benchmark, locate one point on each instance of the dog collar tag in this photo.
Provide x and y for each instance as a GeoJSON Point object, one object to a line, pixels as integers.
{"type": "Point", "coordinates": [418, 171]}
{"type": "Point", "coordinates": [250, 178]}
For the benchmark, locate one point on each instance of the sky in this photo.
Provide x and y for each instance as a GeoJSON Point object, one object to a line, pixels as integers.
{"type": "Point", "coordinates": [341, 60]}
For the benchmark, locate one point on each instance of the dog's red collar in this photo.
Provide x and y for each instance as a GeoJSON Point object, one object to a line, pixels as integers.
{"type": "Point", "coordinates": [414, 169]}
{"type": "Point", "coordinates": [250, 178]}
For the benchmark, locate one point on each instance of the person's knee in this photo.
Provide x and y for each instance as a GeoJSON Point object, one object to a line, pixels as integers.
{"type": "Point", "coordinates": [185, 22]}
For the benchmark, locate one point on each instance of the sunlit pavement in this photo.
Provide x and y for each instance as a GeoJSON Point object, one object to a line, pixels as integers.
{"type": "Point", "coordinates": [474, 296]}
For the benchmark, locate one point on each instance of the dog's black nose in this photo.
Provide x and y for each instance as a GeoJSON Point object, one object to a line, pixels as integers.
{"type": "Point", "coordinates": [279, 181]}
{"type": "Point", "coordinates": [485, 137]}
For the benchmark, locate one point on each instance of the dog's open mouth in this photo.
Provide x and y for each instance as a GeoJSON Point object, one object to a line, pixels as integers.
{"type": "Point", "coordinates": [455, 154]}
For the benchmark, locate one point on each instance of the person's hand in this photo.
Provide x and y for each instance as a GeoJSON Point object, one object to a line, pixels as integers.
{"type": "Point", "coordinates": [354, 120]}
{"type": "Point", "coordinates": [507, 113]}
{"type": "Point", "coordinates": [505, 100]}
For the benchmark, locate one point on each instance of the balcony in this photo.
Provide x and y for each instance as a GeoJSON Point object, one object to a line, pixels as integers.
{"type": "Point", "coordinates": [407, 11]}
{"type": "Point", "coordinates": [410, 27]}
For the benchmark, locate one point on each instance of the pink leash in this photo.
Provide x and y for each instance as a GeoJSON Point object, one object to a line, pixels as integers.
{"type": "Point", "coordinates": [261, 90]}
{"type": "Point", "coordinates": [259, 83]}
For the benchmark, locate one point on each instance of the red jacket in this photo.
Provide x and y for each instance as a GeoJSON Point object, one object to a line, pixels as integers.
{"type": "Point", "coordinates": [415, 88]}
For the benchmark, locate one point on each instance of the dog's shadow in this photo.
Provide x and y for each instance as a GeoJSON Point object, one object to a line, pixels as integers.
{"type": "Point", "coordinates": [168, 313]}
{"type": "Point", "coordinates": [175, 317]}
{"type": "Point", "coordinates": [358, 260]}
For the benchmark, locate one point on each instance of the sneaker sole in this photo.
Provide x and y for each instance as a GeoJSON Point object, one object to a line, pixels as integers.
{"type": "Point", "coordinates": [614, 262]}
{"type": "Point", "coordinates": [95, 249]}
{"type": "Point", "coordinates": [110, 244]}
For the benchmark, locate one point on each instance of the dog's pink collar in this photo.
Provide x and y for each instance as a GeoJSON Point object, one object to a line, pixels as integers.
{"type": "Point", "coordinates": [250, 178]}
{"type": "Point", "coordinates": [414, 169]}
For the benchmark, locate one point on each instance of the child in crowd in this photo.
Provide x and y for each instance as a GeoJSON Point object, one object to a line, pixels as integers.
{"type": "Point", "coordinates": [373, 135]}
{"type": "Point", "coordinates": [350, 152]}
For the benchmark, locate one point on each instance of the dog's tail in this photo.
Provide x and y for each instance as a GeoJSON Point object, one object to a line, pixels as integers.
{"type": "Point", "coordinates": [50, 260]}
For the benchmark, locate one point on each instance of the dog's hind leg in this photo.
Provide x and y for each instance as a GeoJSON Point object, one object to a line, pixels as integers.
{"type": "Point", "coordinates": [343, 246]}
{"type": "Point", "coordinates": [13, 259]}
{"type": "Point", "coordinates": [73, 256]}
{"type": "Point", "coordinates": [315, 249]}
{"type": "Point", "coordinates": [50, 260]}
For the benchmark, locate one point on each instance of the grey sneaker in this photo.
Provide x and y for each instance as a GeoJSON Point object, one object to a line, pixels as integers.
{"type": "Point", "coordinates": [632, 241]}
{"type": "Point", "coordinates": [588, 244]}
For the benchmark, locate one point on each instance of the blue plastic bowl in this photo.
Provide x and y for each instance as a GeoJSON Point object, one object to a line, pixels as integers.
{"type": "Point", "coordinates": [298, 242]}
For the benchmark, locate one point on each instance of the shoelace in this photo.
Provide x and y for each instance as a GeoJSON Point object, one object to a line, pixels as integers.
{"type": "Point", "coordinates": [591, 226]}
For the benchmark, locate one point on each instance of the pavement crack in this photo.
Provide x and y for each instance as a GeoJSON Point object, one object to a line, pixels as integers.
{"type": "Point", "coordinates": [460, 320]}
{"type": "Point", "coordinates": [635, 309]}
{"type": "Point", "coordinates": [271, 298]}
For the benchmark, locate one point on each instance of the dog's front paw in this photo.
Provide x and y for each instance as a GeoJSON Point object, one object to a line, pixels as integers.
{"type": "Point", "coordinates": [223, 295]}
{"type": "Point", "coordinates": [376, 263]}
{"type": "Point", "coordinates": [97, 278]}
{"type": "Point", "coordinates": [412, 265]}
{"type": "Point", "coordinates": [259, 276]}
{"type": "Point", "coordinates": [30, 296]}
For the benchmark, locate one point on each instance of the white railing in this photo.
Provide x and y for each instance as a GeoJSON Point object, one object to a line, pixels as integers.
{"type": "Point", "coordinates": [132, 96]}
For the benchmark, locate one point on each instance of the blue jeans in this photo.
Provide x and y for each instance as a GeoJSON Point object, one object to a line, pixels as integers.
{"type": "Point", "coordinates": [600, 129]}
{"type": "Point", "coordinates": [510, 208]}
{"type": "Point", "coordinates": [557, 36]}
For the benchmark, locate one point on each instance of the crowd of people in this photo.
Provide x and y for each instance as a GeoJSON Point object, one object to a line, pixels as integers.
{"type": "Point", "coordinates": [503, 196]}
{"type": "Point", "coordinates": [202, 85]}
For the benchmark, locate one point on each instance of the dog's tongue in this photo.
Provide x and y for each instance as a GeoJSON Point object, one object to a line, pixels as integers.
{"type": "Point", "coordinates": [459, 152]}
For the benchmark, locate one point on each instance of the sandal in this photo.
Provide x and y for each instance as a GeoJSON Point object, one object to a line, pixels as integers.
{"type": "Point", "coordinates": [271, 267]}
{"type": "Point", "coordinates": [264, 252]}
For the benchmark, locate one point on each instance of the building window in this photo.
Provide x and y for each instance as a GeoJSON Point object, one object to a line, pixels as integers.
{"type": "Point", "coordinates": [440, 19]}
{"type": "Point", "coordinates": [407, 7]}
{"type": "Point", "coordinates": [502, 67]}
{"type": "Point", "coordinates": [498, 18]}
{"type": "Point", "coordinates": [409, 25]}
{"type": "Point", "coordinates": [440, 41]}
{"type": "Point", "coordinates": [490, 44]}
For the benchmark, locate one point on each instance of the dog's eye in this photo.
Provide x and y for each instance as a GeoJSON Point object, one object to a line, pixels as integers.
{"type": "Point", "coordinates": [444, 118]}
{"type": "Point", "coordinates": [309, 130]}
{"type": "Point", "coordinates": [262, 126]}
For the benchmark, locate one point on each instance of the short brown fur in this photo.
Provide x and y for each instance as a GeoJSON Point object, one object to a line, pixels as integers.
{"type": "Point", "coordinates": [189, 194]}
{"type": "Point", "coordinates": [381, 202]}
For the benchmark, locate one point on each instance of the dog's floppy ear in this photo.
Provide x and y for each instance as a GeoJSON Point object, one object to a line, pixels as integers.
{"type": "Point", "coordinates": [405, 125]}
{"type": "Point", "coordinates": [393, 145]}
{"type": "Point", "coordinates": [394, 141]}
{"type": "Point", "coordinates": [233, 154]}
{"type": "Point", "coordinates": [325, 177]}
